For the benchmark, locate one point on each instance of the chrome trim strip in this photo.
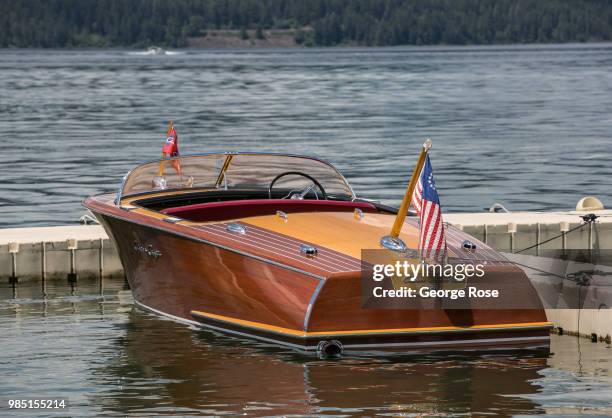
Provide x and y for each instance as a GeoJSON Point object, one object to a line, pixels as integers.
{"type": "Point", "coordinates": [353, 195]}
{"type": "Point", "coordinates": [214, 244]}
{"type": "Point", "coordinates": [121, 186]}
{"type": "Point", "coordinates": [313, 299]}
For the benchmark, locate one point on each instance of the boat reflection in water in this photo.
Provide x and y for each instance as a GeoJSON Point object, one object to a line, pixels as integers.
{"type": "Point", "coordinates": [164, 367]}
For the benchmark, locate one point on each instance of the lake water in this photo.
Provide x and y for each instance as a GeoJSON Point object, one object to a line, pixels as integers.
{"type": "Point", "coordinates": [527, 126]}
{"type": "Point", "coordinates": [111, 359]}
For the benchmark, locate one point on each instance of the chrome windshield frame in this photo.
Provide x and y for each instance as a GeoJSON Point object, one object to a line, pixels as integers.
{"type": "Point", "coordinates": [120, 193]}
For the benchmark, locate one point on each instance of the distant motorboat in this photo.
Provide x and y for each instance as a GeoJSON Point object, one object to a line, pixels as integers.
{"type": "Point", "coordinates": [155, 50]}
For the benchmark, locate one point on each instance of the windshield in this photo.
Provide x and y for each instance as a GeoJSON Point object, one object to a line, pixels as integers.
{"type": "Point", "coordinates": [232, 171]}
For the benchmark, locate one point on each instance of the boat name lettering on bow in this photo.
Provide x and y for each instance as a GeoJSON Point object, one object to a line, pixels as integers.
{"type": "Point", "coordinates": [147, 250]}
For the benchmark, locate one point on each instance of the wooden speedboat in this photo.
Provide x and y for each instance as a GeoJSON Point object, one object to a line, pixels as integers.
{"type": "Point", "coordinates": [268, 246]}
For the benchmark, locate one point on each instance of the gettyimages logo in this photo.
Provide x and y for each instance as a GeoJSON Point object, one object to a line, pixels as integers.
{"type": "Point", "coordinates": [411, 271]}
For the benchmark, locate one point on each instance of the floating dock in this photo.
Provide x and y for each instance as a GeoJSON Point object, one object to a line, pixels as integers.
{"type": "Point", "coordinates": [58, 252]}
{"type": "Point", "coordinates": [531, 238]}
{"type": "Point", "coordinates": [84, 251]}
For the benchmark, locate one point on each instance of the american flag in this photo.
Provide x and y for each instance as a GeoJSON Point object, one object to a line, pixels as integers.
{"type": "Point", "coordinates": [432, 238]}
{"type": "Point", "coordinates": [417, 196]}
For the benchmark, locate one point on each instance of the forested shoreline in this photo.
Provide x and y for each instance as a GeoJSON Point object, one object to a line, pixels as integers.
{"type": "Point", "coordinates": [174, 23]}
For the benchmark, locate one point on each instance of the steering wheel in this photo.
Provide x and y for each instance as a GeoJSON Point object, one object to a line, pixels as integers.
{"type": "Point", "coordinates": [297, 173]}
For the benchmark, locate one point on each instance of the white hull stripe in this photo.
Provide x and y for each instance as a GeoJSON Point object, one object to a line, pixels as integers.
{"type": "Point", "coordinates": [373, 346]}
{"type": "Point", "coordinates": [224, 330]}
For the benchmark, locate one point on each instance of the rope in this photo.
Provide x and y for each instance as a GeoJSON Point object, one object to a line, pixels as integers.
{"type": "Point", "coordinates": [516, 263]}
{"type": "Point", "coordinates": [588, 219]}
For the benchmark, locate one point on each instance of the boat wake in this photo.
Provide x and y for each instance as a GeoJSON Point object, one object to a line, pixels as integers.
{"type": "Point", "coordinates": [154, 50]}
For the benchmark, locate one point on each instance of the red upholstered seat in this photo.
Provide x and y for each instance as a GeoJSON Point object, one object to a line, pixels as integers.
{"type": "Point", "coordinates": [218, 211]}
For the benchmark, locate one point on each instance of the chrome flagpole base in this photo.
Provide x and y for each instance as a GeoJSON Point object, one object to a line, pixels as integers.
{"type": "Point", "coordinates": [393, 244]}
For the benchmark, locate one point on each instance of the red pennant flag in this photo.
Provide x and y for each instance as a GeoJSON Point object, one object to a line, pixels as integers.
{"type": "Point", "coordinates": [170, 148]}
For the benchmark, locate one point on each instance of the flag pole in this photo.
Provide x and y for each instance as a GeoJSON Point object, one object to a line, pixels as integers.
{"type": "Point", "coordinates": [160, 172]}
{"type": "Point", "coordinates": [392, 241]}
{"type": "Point", "coordinates": [161, 162]}
{"type": "Point", "coordinates": [403, 209]}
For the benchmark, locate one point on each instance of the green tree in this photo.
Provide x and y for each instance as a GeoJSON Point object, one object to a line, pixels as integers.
{"type": "Point", "coordinates": [244, 35]}
{"type": "Point", "coordinates": [66, 23]}
{"type": "Point", "coordinates": [259, 33]}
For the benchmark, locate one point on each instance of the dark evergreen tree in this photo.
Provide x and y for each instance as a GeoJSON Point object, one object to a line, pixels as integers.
{"type": "Point", "coordinates": [259, 33]}
{"type": "Point", "coordinates": [244, 35]}
{"type": "Point", "coordinates": [70, 23]}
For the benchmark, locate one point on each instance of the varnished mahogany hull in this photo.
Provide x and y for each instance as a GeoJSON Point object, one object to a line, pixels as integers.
{"type": "Point", "coordinates": [183, 276]}
{"type": "Point", "coordinates": [190, 275]}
